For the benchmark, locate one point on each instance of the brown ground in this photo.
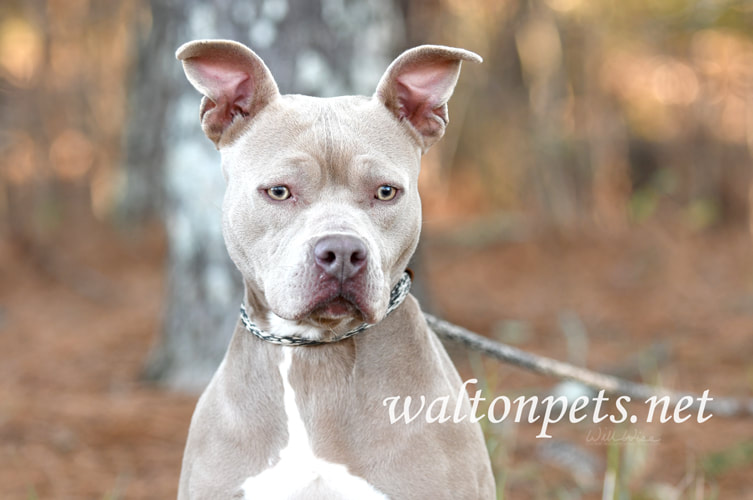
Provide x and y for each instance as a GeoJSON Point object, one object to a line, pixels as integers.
{"type": "Point", "coordinates": [77, 423]}
{"type": "Point", "coordinates": [693, 294]}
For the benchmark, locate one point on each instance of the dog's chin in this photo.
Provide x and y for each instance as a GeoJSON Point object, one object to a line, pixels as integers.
{"type": "Point", "coordinates": [338, 309]}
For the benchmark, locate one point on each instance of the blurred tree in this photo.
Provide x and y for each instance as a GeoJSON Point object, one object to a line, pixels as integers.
{"type": "Point", "coordinates": [592, 115]}
{"type": "Point", "coordinates": [62, 67]}
{"type": "Point", "coordinates": [321, 48]}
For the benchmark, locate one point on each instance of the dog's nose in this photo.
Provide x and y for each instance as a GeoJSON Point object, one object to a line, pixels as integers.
{"type": "Point", "coordinates": [340, 256]}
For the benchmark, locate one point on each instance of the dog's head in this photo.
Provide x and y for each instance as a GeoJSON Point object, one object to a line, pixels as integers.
{"type": "Point", "coordinates": [321, 212]}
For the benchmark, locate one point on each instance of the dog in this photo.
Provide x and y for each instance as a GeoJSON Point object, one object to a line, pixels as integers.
{"type": "Point", "coordinates": [321, 215]}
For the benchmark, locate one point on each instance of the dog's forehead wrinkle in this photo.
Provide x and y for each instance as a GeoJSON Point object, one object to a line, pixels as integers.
{"type": "Point", "coordinates": [339, 141]}
{"type": "Point", "coordinates": [291, 169]}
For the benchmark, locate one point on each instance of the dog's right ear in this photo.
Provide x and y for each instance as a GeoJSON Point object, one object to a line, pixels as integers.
{"type": "Point", "coordinates": [417, 86]}
{"type": "Point", "coordinates": [235, 82]}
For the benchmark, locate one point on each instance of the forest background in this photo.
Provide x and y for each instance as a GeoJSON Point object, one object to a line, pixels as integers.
{"type": "Point", "coordinates": [591, 201]}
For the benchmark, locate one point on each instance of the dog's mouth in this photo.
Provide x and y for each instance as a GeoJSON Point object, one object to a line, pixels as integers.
{"type": "Point", "coordinates": [337, 308]}
{"type": "Point", "coordinates": [335, 305]}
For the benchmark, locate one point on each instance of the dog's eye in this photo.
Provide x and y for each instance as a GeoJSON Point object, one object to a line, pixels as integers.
{"type": "Point", "coordinates": [279, 193]}
{"type": "Point", "coordinates": [386, 193]}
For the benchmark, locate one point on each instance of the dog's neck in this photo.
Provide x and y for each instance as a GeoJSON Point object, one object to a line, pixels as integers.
{"type": "Point", "coordinates": [292, 333]}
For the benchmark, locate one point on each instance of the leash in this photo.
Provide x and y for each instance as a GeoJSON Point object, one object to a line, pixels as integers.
{"type": "Point", "coordinates": [397, 296]}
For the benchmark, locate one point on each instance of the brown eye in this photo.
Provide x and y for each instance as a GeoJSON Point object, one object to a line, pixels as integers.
{"type": "Point", "coordinates": [279, 193]}
{"type": "Point", "coordinates": [386, 193]}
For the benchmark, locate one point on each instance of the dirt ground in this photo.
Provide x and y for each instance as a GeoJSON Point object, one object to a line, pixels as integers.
{"type": "Point", "coordinates": [653, 306]}
{"type": "Point", "coordinates": [76, 422]}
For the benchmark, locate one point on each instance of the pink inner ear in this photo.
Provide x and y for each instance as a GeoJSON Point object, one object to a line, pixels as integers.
{"type": "Point", "coordinates": [426, 87]}
{"type": "Point", "coordinates": [221, 81]}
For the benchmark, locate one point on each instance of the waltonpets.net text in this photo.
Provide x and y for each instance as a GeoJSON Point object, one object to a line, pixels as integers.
{"type": "Point", "coordinates": [549, 410]}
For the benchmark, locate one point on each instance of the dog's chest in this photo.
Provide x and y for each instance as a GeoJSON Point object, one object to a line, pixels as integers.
{"type": "Point", "coordinates": [297, 472]}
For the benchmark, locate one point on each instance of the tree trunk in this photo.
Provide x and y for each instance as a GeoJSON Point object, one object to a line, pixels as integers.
{"type": "Point", "coordinates": [322, 48]}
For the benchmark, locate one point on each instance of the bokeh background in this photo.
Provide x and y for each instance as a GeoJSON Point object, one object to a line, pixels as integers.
{"type": "Point", "coordinates": [591, 201]}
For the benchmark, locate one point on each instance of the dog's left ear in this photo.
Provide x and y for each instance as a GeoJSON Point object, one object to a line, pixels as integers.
{"type": "Point", "coordinates": [234, 80]}
{"type": "Point", "coordinates": [417, 86]}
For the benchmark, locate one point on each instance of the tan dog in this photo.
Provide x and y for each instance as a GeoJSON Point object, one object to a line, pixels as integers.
{"type": "Point", "coordinates": [321, 216]}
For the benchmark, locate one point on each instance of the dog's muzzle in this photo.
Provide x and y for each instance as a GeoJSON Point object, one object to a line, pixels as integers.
{"type": "Point", "coordinates": [397, 296]}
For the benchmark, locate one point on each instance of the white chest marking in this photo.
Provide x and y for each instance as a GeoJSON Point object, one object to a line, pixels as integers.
{"type": "Point", "coordinates": [299, 473]}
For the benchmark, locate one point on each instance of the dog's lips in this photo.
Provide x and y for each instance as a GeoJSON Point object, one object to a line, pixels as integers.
{"type": "Point", "coordinates": [334, 301]}
{"type": "Point", "coordinates": [336, 308]}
